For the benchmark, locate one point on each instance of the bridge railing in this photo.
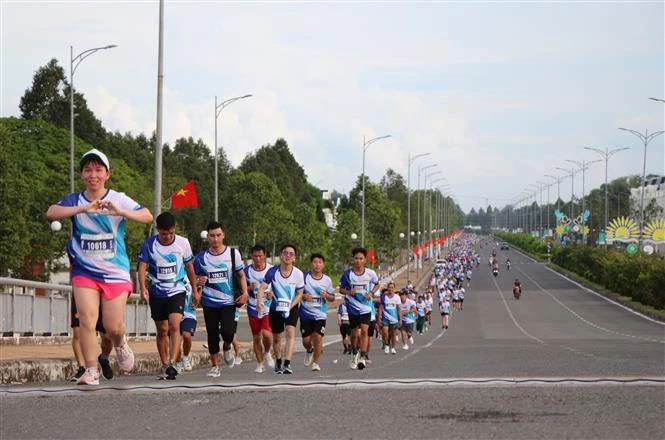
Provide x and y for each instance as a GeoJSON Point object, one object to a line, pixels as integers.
{"type": "Point", "coordinates": [33, 308]}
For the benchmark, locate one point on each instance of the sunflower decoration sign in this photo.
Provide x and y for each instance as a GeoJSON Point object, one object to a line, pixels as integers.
{"type": "Point", "coordinates": [622, 230]}
{"type": "Point", "coordinates": [654, 232]}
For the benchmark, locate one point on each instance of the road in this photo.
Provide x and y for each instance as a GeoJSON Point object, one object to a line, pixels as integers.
{"type": "Point", "coordinates": [560, 362]}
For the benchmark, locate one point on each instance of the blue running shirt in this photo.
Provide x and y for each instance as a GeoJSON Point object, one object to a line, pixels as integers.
{"type": "Point", "coordinates": [316, 309]}
{"type": "Point", "coordinates": [364, 283]}
{"type": "Point", "coordinates": [218, 291]}
{"type": "Point", "coordinates": [256, 276]}
{"type": "Point", "coordinates": [166, 265]}
{"type": "Point", "coordinates": [284, 288]}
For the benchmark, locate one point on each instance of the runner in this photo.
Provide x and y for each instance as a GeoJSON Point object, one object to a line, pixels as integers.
{"type": "Point", "coordinates": [421, 308]}
{"type": "Point", "coordinates": [287, 285]}
{"type": "Point", "coordinates": [391, 318]}
{"type": "Point", "coordinates": [408, 318]}
{"type": "Point", "coordinates": [100, 265]}
{"type": "Point", "coordinates": [217, 273]}
{"type": "Point", "coordinates": [259, 323]}
{"type": "Point", "coordinates": [166, 259]}
{"type": "Point", "coordinates": [359, 284]}
{"type": "Point", "coordinates": [344, 330]}
{"type": "Point", "coordinates": [187, 330]}
{"type": "Point", "coordinates": [314, 310]}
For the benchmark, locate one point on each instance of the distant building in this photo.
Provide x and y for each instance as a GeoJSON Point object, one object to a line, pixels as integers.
{"type": "Point", "coordinates": [330, 215]}
{"type": "Point", "coordinates": [654, 188]}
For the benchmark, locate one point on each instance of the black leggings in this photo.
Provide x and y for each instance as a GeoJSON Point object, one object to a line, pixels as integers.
{"type": "Point", "coordinates": [219, 321]}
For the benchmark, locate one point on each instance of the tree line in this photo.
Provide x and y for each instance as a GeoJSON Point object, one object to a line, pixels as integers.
{"type": "Point", "coordinates": [267, 199]}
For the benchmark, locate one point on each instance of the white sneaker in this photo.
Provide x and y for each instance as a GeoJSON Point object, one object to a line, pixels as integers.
{"type": "Point", "coordinates": [386, 349]}
{"type": "Point", "coordinates": [124, 357]}
{"type": "Point", "coordinates": [308, 358]}
{"type": "Point", "coordinates": [259, 368]}
{"type": "Point", "coordinates": [411, 340]}
{"type": "Point", "coordinates": [405, 347]}
{"type": "Point", "coordinates": [315, 367]}
{"type": "Point", "coordinates": [237, 361]}
{"type": "Point", "coordinates": [180, 366]}
{"type": "Point", "coordinates": [354, 361]}
{"type": "Point", "coordinates": [393, 351]}
{"type": "Point", "coordinates": [229, 359]}
{"type": "Point", "coordinates": [214, 371]}
{"type": "Point", "coordinates": [187, 365]}
{"type": "Point", "coordinates": [270, 361]}
{"type": "Point", "coordinates": [90, 377]}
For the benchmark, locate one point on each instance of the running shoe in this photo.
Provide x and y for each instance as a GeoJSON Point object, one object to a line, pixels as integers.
{"type": "Point", "coordinates": [214, 371]}
{"type": "Point", "coordinates": [170, 372]}
{"type": "Point", "coordinates": [125, 357]}
{"type": "Point", "coordinates": [89, 377]}
{"type": "Point", "coordinates": [315, 367]}
{"type": "Point", "coordinates": [270, 361]}
{"type": "Point", "coordinates": [229, 359]}
{"type": "Point", "coordinates": [386, 349]}
{"type": "Point", "coordinates": [187, 365]}
{"type": "Point", "coordinates": [78, 374]}
{"type": "Point", "coordinates": [107, 371]}
{"type": "Point", "coordinates": [259, 368]}
{"type": "Point", "coordinates": [286, 369]}
{"type": "Point", "coordinates": [308, 358]}
{"type": "Point", "coordinates": [405, 347]}
{"type": "Point", "coordinates": [361, 363]}
{"type": "Point", "coordinates": [278, 369]}
{"type": "Point", "coordinates": [411, 340]}
{"type": "Point", "coordinates": [180, 366]}
{"type": "Point", "coordinates": [237, 361]}
{"type": "Point", "coordinates": [393, 351]}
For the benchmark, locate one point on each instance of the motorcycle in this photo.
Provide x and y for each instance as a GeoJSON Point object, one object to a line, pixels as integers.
{"type": "Point", "coordinates": [508, 266]}
{"type": "Point", "coordinates": [495, 272]}
{"type": "Point", "coordinates": [517, 291]}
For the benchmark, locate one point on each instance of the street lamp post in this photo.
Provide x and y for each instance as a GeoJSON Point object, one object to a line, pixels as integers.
{"type": "Point", "coordinates": [74, 62]}
{"type": "Point", "coordinates": [218, 110]}
{"type": "Point", "coordinates": [645, 138]}
{"type": "Point", "coordinates": [606, 156]}
{"type": "Point", "coordinates": [572, 187]}
{"type": "Point", "coordinates": [584, 165]}
{"type": "Point", "coordinates": [420, 170]}
{"type": "Point", "coordinates": [428, 197]}
{"type": "Point", "coordinates": [430, 247]}
{"type": "Point", "coordinates": [558, 188]}
{"type": "Point", "coordinates": [408, 209]}
{"type": "Point", "coordinates": [366, 145]}
{"type": "Point", "coordinates": [544, 185]}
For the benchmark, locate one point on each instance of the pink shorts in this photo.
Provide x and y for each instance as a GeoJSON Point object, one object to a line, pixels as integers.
{"type": "Point", "coordinates": [108, 290]}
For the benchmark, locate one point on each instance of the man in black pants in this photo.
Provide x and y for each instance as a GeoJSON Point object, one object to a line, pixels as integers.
{"type": "Point", "coordinates": [217, 273]}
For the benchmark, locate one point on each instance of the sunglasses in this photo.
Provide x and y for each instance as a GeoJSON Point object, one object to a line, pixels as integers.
{"type": "Point", "coordinates": [288, 254]}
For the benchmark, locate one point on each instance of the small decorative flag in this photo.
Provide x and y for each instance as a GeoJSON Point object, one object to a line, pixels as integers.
{"type": "Point", "coordinates": [185, 197]}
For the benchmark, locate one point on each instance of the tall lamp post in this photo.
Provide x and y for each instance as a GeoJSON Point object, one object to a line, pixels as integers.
{"type": "Point", "coordinates": [420, 170]}
{"type": "Point", "coordinates": [427, 197]}
{"type": "Point", "coordinates": [366, 145]}
{"type": "Point", "coordinates": [558, 188]}
{"type": "Point", "coordinates": [547, 212]}
{"type": "Point", "coordinates": [74, 62]}
{"type": "Point", "coordinates": [606, 154]}
{"type": "Point", "coordinates": [408, 209]}
{"type": "Point", "coordinates": [218, 110]}
{"type": "Point", "coordinates": [584, 165]}
{"type": "Point", "coordinates": [645, 138]}
{"type": "Point", "coordinates": [572, 187]}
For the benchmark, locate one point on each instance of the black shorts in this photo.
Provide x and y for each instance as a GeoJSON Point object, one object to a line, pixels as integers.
{"type": "Point", "coordinates": [188, 325]}
{"type": "Point", "coordinates": [344, 330]}
{"type": "Point", "coordinates": [356, 320]}
{"type": "Point", "coordinates": [372, 327]}
{"type": "Point", "coordinates": [277, 321]}
{"type": "Point", "coordinates": [74, 322]}
{"type": "Point", "coordinates": [308, 327]}
{"type": "Point", "coordinates": [161, 308]}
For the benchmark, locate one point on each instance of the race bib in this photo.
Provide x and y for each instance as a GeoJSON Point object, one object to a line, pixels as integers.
{"type": "Point", "coordinates": [97, 245]}
{"type": "Point", "coordinates": [316, 301]}
{"type": "Point", "coordinates": [283, 305]}
{"type": "Point", "coordinates": [218, 277]}
{"type": "Point", "coordinates": [166, 271]}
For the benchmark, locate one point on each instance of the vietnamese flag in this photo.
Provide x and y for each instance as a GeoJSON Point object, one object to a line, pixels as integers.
{"type": "Point", "coordinates": [371, 256]}
{"type": "Point", "coordinates": [185, 197]}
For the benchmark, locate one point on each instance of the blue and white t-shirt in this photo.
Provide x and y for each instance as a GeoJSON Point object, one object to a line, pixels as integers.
{"type": "Point", "coordinates": [284, 288]}
{"type": "Point", "coordinates": [389, 313]}
{"type": "Point", "coordinates": [97, 247]}
{"type": "Point", "coordinates": [166, 265]}
{"type": "Point", "coordinates": [407, 314]}
{"type": "Point", "coordinates": [189, 312]}
{"type": "Point", "coordinates": [256, 276]}
{"type": "Point", "coordinates": [343, 313]}
{"type": "Point", "coordinates": [421, 307]}
{"type": "Point", "coordinates": [218, 291]}
{"type": "Point", "coordinates": [444, 306]}
{"type": "Point", "coordinates": [363, 283]}
{"type": "Point", "coordinates": [317, 308]}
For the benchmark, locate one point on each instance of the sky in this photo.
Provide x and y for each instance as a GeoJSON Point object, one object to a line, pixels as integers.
{"type": "Point", "coordinates": [498, 93]}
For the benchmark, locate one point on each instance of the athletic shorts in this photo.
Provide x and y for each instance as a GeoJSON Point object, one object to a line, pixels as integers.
{"type": "Point", "coordinates": [356, 320]}
{"type": "Point", "coordinates": [108, 290]}
{"type": "Point", "coordinates": [161, 308]}
{"type": "Point", "coordinates": [278, 322]}
{"type": "Point", "coordinates": [408, 328]}
{"type": "Point", "coordinates": [371, 328]}
{"type": "Point", "coordinates": [188, 325]}
{"type": "Point", "coordinates": [444, 314]}
{"type": "Point", "coordinates": [75, 318]}
{"type": "Point", "coordinates": [390, 326]}
{"type": "Point", "coordinates": [308, 327]}
{"type": "Point", "coordinates": [258, 324]}
{"type": "Point", "coordinates": [344, 329]}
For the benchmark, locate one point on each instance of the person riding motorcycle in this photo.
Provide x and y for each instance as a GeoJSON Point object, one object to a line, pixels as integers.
{"type": "Point", "coordinates": [517, 289]}
{"type": "Point", "coordinates": [495, 268]}
{"type": "Point", "coordinates": [508, 264]}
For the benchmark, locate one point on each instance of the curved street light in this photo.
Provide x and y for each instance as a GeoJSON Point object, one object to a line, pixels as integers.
{"type": "Point", "coordinates": [366, 145]}
{"type": "Point", "coordinates": [74, 62]}
{"type": "Point", "coordinates": [218, 110]}
{"type": "Point", "coordinates": [408, 209]}
{"type": "Point", "coordinates": [584, 165]}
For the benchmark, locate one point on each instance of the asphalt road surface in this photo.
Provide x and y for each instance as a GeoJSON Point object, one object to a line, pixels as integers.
{"type": "Point", "coordinates": [562, 362]}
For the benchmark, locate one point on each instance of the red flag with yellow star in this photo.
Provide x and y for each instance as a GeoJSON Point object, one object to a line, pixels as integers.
{"type": "Point", "coordinates": [185, 197]}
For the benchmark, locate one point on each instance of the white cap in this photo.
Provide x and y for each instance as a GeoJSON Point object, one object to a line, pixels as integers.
{"type": "Point", "coordinates": [98, 154]}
